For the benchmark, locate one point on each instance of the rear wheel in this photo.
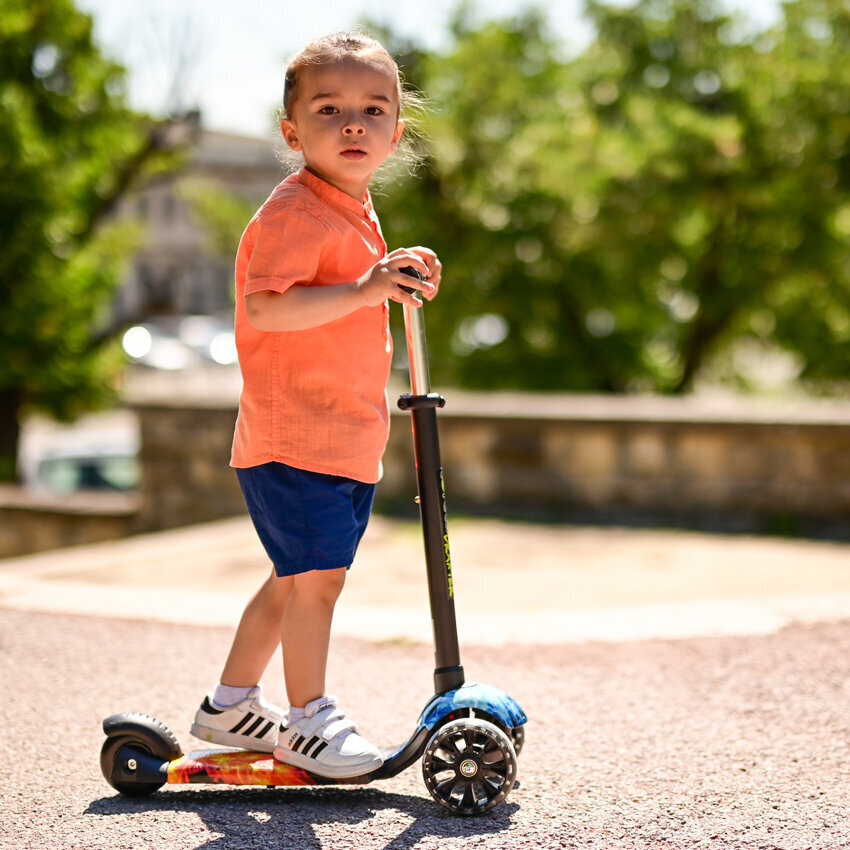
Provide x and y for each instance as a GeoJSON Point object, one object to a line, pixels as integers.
{"type": "Point", "coordinates": [136, 752]}
{"type": "Point", "coordinates": [469, 766]}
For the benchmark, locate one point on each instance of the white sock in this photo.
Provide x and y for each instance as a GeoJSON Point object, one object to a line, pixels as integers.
{"type": "Point", "coordinates": [296, 713]}
{"type": "Point", "coordinates": [226, 696]}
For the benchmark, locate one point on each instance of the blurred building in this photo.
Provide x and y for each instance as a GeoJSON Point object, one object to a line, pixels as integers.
{"type": "Point", "coordinates": [179, 271]}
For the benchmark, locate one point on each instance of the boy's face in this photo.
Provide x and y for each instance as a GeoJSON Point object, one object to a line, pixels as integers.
{"type": "Point", "coordinates": [345, 121]}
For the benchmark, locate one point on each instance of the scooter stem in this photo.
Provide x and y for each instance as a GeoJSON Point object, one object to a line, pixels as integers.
{"type": "Point", "coordinates": [422, 404]}
{"type": "Point", "coordinates": [417, 350]}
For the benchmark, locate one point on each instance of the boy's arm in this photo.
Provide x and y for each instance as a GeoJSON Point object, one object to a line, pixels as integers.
{"type": "Point", "coordinates": [301, 307]}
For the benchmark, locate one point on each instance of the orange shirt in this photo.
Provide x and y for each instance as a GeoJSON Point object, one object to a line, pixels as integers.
{"type": "Point", "coordinates": [316, 398]}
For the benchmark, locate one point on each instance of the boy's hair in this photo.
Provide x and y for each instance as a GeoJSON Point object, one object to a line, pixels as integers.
{"type": "Point", "coordinates": [332, 48]}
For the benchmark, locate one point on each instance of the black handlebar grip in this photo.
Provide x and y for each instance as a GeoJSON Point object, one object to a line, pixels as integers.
{"type": "Point", "coordinates": [412, 272]}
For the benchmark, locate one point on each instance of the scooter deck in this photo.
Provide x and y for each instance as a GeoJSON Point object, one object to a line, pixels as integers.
{"type": "Point", "coordinates": [248, 767]}
{"type": "Point", "coordinates": [241, 767]}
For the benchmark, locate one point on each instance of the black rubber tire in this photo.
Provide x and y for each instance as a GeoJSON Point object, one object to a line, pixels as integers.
{"type": "Point", "coordinates": [144, 734]}
{"type": "Point", "coordinates": [516, 734]}
{"type": "Point", "coordinates": [469, 766]}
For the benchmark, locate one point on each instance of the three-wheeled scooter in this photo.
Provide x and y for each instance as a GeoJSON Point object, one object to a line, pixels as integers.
{"type": "Point", "coordinates": [468, 735]}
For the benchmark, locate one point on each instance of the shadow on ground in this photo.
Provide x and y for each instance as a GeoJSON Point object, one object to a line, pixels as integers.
{"type": "Point", "coordinates": [307, 818]}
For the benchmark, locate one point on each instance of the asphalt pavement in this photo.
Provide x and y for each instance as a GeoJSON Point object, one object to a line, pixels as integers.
{"type": "Point", "coordinates": [684, 690]}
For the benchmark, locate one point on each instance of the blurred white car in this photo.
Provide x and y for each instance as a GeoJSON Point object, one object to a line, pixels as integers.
{"type": "Point", "coordinates": [174, 343]}
{"type": "Point", "coordinates": [99, 452]}
{"type": "Point", "coordinates": [64, 471]}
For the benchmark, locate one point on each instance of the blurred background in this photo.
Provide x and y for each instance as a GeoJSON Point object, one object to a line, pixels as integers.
{"type": "Point", "coordinates": [641, 203]}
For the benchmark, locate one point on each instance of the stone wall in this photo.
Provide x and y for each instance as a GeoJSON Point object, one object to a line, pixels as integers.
{"type": "Point", "coordinates": [695, 461]}
{"type": "Point", "coordinates": [35, 523]}
{"type": "Point", "coordinates": [699, 462]}
{"type": "Point", "coordinates": [184, 460]}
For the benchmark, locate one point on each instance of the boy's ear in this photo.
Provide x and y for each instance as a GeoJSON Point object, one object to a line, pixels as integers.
{"type": "Point", "coordinates": [399, 129]}
{"type": "Point", "coordinates": [290, 134]}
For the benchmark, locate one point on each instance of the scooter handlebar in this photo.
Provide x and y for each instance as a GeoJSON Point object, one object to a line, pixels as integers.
{"type": "Point", "coordinates": [412, 272]}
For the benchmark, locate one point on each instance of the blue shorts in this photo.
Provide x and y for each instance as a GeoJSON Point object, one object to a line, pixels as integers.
{"type": "Point", "coordinates": [306, 520]}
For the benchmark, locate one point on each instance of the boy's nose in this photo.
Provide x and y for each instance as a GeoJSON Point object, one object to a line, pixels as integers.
{"type": "Point", "coordinates": [353, 126]}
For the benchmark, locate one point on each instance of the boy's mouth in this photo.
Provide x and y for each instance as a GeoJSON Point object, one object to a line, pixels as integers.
{"type": "Point", "coordinates": [354, 152]}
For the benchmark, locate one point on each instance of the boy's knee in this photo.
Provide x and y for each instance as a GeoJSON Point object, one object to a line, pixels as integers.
{"type": "Point", "coordinates": [323, 586]}
{"type": "Point", "coordinates": [332, 582]}
{"type": "Point", "coordinates": [277, 588]}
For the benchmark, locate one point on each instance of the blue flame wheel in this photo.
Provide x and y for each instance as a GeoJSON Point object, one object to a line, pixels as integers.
{"type": "Point", "coordinates": [469, 766]}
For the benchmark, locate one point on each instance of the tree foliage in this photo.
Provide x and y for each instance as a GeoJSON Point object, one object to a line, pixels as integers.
{"type": "Point", "coordinates": [666, 207]}
{"type": "Point", "coordinates": [69, 148]}
{"type": "Point", "coordinates": [643, 215]}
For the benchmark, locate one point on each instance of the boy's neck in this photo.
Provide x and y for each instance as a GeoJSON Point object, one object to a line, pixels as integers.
{"type": "Point", "coordinates": [358, 192]}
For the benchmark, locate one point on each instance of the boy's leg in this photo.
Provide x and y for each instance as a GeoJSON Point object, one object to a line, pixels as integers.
{"type": "Point", "coordinates": [318, 736]}
{"type": "Point", "coordinates": [305, 632]}
{"type": "Point", "coordinates": [258, 634]}
{"type": "Point", "coordinates": [249, 722]}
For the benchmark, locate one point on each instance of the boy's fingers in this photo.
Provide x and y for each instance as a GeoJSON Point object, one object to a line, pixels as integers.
{"type": "Point", "coordinates": [403, 297]}
{"type": "Point", "coordinates": [403, 278]}
{"type": "Point", "coordinates": [415, 262]}
{"type": "Point", "coordinates": [423, 252]}
{"type": "Point", "coordinates": [428, 257]}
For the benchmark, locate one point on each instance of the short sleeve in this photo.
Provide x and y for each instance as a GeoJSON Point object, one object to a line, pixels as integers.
{"type": "Point", "coordinates": [288, 240]}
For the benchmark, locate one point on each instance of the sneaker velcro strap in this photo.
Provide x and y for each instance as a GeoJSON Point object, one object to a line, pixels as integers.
{"type": "Point", "coordinates": [337, 727]}
{"type": "Point", "coordinates": [329, 723]}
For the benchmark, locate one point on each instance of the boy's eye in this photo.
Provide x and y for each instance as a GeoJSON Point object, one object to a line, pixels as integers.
{"type": "Point", "coordinates": [327, 110]}
{"type": "Point", "coordinates": [374, 110]}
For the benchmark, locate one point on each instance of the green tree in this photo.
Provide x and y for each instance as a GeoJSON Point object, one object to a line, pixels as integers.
{"type": "Point", "coordinates": [632, 217]}
{"type": "Point", "coordinates": [69, 149]}
{"type": "Point", "coordinates": [804, 82]}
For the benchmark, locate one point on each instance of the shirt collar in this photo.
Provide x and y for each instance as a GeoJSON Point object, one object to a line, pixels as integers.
{"type": "Point", "coordinates": [330, 193]}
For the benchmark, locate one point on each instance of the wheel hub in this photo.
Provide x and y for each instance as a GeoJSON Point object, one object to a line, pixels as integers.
{"type": "Point", "coordinates": [468, 768]}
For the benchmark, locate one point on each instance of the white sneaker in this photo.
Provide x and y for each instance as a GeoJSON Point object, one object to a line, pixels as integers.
{"type": "Point", "coordinates": [326, 742]}
{"type": "Point", "coordinates": [252, 724]}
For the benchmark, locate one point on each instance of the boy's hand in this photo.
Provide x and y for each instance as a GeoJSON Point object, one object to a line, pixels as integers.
{"type": "Point", "coordinates": [435, 268]}
{"type": "Point", "coordinates": [384, 279]}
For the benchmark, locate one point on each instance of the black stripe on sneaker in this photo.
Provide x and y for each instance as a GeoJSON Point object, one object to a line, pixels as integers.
{"type": "Point", "coordinates": [265, 730]}
{"type": "Point", "coordinates": [247, 718]}
{"type": "Point", "coordinates": [296, 744]}
{"type": "Point", "coordinates": [313, 747]}
{"type": "Point", "coordinates": [254, 726]}
{"type": "Point", "coordinates": [209, 708]}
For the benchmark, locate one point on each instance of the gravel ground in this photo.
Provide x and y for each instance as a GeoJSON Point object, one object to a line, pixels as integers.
{"type": "Point", "coordinates": [711, 742]}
